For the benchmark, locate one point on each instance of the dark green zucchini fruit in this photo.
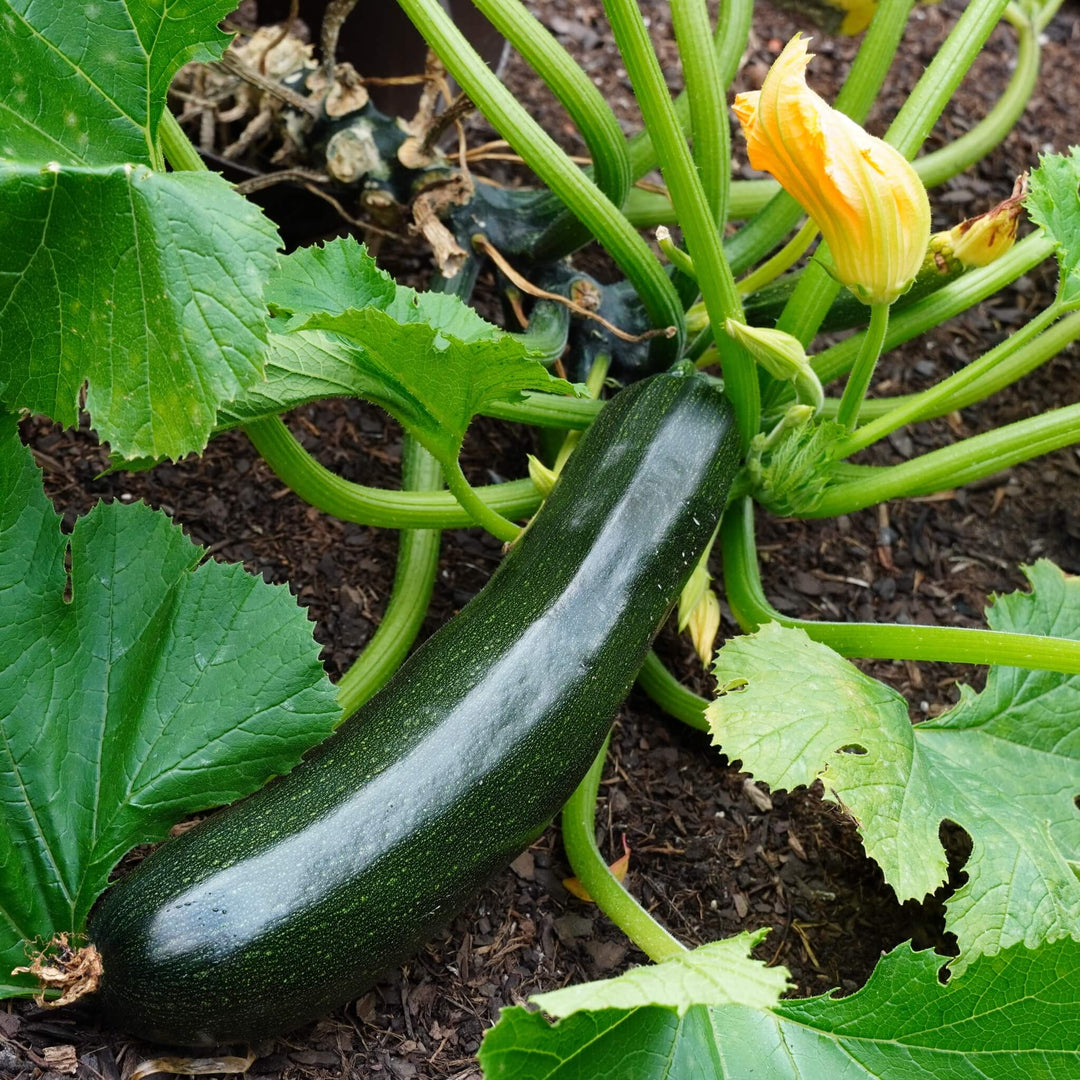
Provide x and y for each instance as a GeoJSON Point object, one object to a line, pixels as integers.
{"type": "Point", "coordinates": [283, 906]}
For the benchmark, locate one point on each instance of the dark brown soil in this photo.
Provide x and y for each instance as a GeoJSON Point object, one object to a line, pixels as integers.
{"type": "Point", "coordinates": [707, 859]}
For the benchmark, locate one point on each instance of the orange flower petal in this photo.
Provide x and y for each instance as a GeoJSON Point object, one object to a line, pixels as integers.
{"type": "Point", "coordinates": [864, 196]}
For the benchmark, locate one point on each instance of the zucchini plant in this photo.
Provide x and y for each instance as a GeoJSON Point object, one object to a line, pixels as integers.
{"type": "Point", "coordinates": [140, 684]}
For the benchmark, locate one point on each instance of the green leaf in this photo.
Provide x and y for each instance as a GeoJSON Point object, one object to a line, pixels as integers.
{"type": "Point", "coordinates": [433, 383]}
{"type": "Point", "coordinates": [166, 685]}
{"type": "Point", "coordinates": [1054, 203]}
{"type": "Point", "coordinates": [147, 286]}
{"type": "Point", "coordinates": [83, 83]}
{"type": "Point", "coordinates": [1012, 1015]}
{"type": "Point", "coordinates": [1003, 764]}
{"type": "Point", "coordinates": [719, 973]}
{"type": "Point", "coordinates": [427, 358]}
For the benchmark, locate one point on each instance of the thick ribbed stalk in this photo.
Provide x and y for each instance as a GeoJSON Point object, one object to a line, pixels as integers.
{"type": "Point", "coordinates": [332, 494]}
{"type": "Point", "coordinates": [670, 694]}
{"type": "Point", "coordinates": [554, 168]}
{"type": "Point", "coordinates": [709, 128]}
{"type": "Point", "coordinates": [1004, 373]}
{"type": "Point", "coordinates": [581, 99]}
{"type": "Point", "coordinates": [863, 369]}
{"type": "Point", "coordinates": [751, 608]}
{"type": "Point", "coordinates": [941, 398]}
{"type": "Point", "coordinates": [695, 215]}
{"type": "Point", "coordinates": [955, 465]}
{"type": "Point", "coordinates": [732, 31]}
{"type": "Point", "coordinates": [414, 580]}
{"type": "Point", "coordinates": [578, 833]}
{"type": "Point", "coordinates": [546, 411]}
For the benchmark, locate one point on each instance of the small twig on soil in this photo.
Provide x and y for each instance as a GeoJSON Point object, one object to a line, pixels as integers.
{"type": "Point", "coordinates": [480, 241]}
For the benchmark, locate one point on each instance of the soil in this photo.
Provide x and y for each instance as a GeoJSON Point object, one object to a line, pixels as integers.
{"type": "Point", "coordinates": [712, 854]}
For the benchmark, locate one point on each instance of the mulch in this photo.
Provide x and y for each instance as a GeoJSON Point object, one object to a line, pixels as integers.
{"type": "Point", "coordinates": [712, 853]}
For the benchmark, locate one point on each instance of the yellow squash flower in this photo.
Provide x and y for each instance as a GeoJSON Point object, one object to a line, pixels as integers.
{"type": "Point", "coordinates": [864, 196]}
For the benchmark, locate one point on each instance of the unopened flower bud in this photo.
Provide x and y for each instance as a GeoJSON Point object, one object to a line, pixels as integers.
{"type": "Point", "coordinates": [980, 240]}
{"type": "Point", "coordinates": [542, 477]}
{"type": "Point", "coordinates": [783, 357]}
{"type": "Point", "coordinates": [704, 625]}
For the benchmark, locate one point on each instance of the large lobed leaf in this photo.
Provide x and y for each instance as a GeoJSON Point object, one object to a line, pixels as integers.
{"type": "Point", "coordinates": [1015, 1014]}
{"type": "Point", "coordinates": [1003, 764]}
{"type": "Point", "coordinates": [83, 82]}
{"type": "Point", "coordinates": [146, 286]}
{"type": "Point", "coordinates": [344, 326]}
{"type": "Point", "coordinates": [165, 685]}
{"type": "Point", "coordinates": [1054, 203]}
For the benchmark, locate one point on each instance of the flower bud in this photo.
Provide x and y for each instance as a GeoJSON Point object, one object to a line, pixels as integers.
{"type": "Point", "coordinates": [980, 240]}
{"type": "Point", "coordinates": [704, 625]}
{"type": "Point", "coordinates": [783, 357]}
{"type": "Point", "coordinates": [863, 194]}
{"type": "Point", "coordinates": [543, 477]}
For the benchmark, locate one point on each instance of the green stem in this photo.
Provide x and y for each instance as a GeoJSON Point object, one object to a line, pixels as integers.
{"type": "Point", "coordinates": [414, 580]}
{"type": "Point", "coordinates": [670, 694]}
{"type": "Point", "coordinates": [732, 32]}
{"type": "Point", "coordinates": [582, 100]}
{"type": "Point", "coordinates": [944, 74]}
{"type": "Point", "coordinates": [595, 384]}
{"type": "Point", "coordinates": [783, 260]}
{"type": "Point", "coordinates": [481, 513]}
{"type": "Point", "coordinates": [646, 209]}
{"type": "Point", "coordinates": [709, 128]}
{"type": "Point", "coordinates": [1010, 368]}
{"type": "Point", "coordinates": [952, 466]}
{"type": "Point", "coordinates": [695, 215]}
{"type": "Point", "coordinates": [941, 398]}
{"type": "Point", "coordinates": [579, 839]}
{"type": "Point", "coordinates": [959, 154]}
{"type": "Point", "coordinates": [546, 410]}
{"type": "Point", "coordinates": [948, 644]}
{"type": "Point", "coordinates": [554, 168]}
{"type": "Point", "coordinates": [957, 296]}
{"type": "Point", "coordinates": [334, 495]}
{"type": "Point", "coordinates": [865, 362]}
{"type": "Point", "coordinates": [178, 148]}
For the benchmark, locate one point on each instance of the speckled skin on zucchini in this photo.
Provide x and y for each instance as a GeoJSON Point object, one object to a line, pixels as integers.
{"type": "Point", "coordinates": [294, 900]}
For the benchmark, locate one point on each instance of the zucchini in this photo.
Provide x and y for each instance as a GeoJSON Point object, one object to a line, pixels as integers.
{"type": "Point", "coordinates": [283, 906]}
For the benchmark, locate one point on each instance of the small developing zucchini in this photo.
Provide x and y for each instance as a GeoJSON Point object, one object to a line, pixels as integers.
{"type": "Point", "coordinates": [279, 908]}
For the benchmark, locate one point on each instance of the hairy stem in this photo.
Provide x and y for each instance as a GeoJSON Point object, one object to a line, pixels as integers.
{"type": "Point", "coordinates": [751, 608]}
{"type": "Point", "coordinates": [961, 463]}
{"type": "Point", "coordinates": [578, 833]}
{"type": "Point", "coordinates": [863, 370]}
{"type": "Point", "coordinates": [334, 495]}
{"type": "Point", "coordinates": [414, 580]}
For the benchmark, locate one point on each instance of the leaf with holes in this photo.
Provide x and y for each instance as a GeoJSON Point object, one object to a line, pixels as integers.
{"type": "Point", "coordinates": [166, 685]}
{"type": "Point", "coordinates": [1011, 1015]}
{"type": "Point", "coordinates": [1003, 764]}
{"type": "Point", "coordinates": [146, 286]}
